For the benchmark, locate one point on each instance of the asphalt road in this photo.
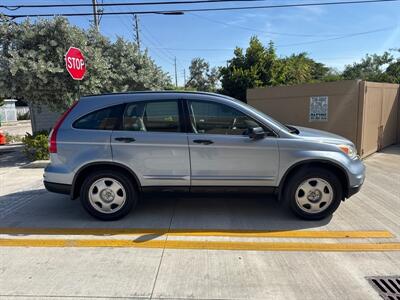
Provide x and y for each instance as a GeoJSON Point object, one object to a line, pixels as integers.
{"type": "Point", "coordinates": [175, 247]}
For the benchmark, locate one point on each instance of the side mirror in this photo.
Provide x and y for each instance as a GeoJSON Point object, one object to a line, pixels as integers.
{"type": "Point", "coordinates": [256, 133]}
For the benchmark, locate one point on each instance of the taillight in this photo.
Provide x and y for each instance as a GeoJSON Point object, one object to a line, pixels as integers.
{"type": "Point", "coordinates": [53, 134]}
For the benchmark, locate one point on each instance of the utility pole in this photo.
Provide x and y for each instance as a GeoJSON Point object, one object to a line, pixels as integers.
{"type": "Point", "coordinates": [136, 29]}
{"type": "Point", "coordinates": [176, 75]}
{"type": "Point", "coordinates": [95, 16]}
{"type": "Point", "coordinates": [184, 78]}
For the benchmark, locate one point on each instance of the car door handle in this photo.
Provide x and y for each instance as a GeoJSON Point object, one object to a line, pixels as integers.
{"type": "Point", "coordinates": [125, 139]}
{"type": "Point", "coordinates": [204, 142]}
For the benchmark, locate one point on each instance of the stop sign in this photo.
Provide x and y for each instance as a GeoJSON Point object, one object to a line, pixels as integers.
{"type": "Point", "coordinates": [75, 63]}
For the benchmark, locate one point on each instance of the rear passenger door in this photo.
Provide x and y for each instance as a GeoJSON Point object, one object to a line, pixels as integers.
{"type": "Point", "coordinates": [153, 143]}
{"type": "Point", "coordinates": [89, 138]}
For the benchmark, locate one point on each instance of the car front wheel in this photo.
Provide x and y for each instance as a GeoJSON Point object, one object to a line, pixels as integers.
{"type": "Point", "coordinates": [314, 193]}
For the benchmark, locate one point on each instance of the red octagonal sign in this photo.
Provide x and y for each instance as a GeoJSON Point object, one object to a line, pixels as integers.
{"type": "Point", "coordinates": [75, 63]}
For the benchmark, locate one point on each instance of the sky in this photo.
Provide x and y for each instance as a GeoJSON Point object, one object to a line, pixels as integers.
{"type": "Point", "coordinates": [334, 35]}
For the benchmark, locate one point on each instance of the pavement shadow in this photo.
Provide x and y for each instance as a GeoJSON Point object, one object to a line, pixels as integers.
{"type": "Point", "coordinates": [12, 156]}
{"type": "Point", "coordinates": [394, 149]}
{"type": "Point", "coordinates": [155, 215]}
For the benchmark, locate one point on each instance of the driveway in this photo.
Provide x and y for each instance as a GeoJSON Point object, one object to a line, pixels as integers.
{"type": "Point", "coordinates": [204, 247]}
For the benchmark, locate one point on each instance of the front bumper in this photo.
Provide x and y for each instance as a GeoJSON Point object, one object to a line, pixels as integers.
{"type": "Point", "coordinates": [353, 190]}
{"type": "Point", "coordinates": [356, 177]}
{"type": "Point", "coordinates": [58, 188]}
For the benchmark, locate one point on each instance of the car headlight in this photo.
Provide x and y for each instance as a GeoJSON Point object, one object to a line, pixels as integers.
{"type": "Point", "coordinates": [349, 150]}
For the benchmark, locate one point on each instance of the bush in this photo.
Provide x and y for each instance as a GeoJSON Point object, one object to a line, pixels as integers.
{"type": "Point", "coordinates": [13, 138]}
{"type": "Point", "coordinates": [36, 145]}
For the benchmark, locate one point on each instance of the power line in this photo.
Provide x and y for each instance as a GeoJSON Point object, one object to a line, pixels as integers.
{"type": "Point", "coordinates": [287, 45]}
{"type": "Point", "coordinates": [197, 49]}
{"type": "Point", "coordinates": [15, 7]}
{"type": "Point", "coordinates": [153, 39]}
{"type": "Point", "coordinates": [257, 30]}
{"type": "Point", "coordinates": [336, 38]}
{"type": "Point", "coordinates": [182, 11]}
{"type": "Point", "coordinates": [161, 53]}
{"type": "Point", "coordinates": [156, 43]}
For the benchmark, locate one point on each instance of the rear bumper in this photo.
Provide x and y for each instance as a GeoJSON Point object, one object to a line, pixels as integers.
{"type": "Point", "coordinates": [57, 187]}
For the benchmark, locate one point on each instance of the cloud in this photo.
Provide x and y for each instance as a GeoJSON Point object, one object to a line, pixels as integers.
{"type": "Point", "coordinates": [315, 10]}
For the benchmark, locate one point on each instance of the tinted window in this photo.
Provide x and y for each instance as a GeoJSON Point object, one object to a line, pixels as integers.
{"type": "Point", "coordinates": [104, 119]}
{"type": "Point", "coordinates": [215, 118]}
{"type": "Point", "coordinates": [155, 116]}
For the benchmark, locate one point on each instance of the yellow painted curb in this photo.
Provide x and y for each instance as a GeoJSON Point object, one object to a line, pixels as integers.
{"type": "Point", "coordinates": [199, 232]}
{"type": "Point", "coordinates": [203, 245]}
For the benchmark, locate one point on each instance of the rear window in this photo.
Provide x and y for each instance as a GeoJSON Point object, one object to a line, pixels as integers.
{"type": "Point", "coordinates": [104, 119]}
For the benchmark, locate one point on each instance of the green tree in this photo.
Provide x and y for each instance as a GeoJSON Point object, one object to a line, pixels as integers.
{"type": "Point", "coordinates": [371, 68]}
{"type": "Point", "coordinates": [393, 70]}
{"type": "Point", "coordinates": [32, 66]}
{"type": "Point", "coordinates": [256, 67]}
{"type": "Point", "coordinates": [299, 68]}
{"type": "Point", "coordinates": [260, 66]}
{"type": "Point", "coordinates": [202, 77]}
{"type": "Point", "coordinates": [133, 70]}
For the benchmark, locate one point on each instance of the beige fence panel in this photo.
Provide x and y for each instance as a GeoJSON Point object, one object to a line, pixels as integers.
{"type": "Point", "coordinates": [364, 112]}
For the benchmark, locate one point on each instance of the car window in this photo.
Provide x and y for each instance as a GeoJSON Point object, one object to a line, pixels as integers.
{"type": "Point", "coordinates": [216, 118]}
{"type": "Point", "coordinates": [154, 116]}
{"type": "Point", "coordinates": [104, 119]}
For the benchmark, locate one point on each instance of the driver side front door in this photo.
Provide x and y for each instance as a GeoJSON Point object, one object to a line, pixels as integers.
{"type": "Point", "coordinates": [221, 152]}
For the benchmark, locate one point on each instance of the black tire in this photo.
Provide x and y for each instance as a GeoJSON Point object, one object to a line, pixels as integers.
{"type": "Point", "coordinates": [300, 177]}
{"type": "Point", "coordinates": [131, 195]}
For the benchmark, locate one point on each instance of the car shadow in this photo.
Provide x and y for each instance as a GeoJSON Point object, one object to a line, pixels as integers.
{"type": "Point", "coordinates": [154, 215]}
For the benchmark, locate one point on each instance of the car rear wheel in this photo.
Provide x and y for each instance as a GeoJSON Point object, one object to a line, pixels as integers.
{"type": "Point", "coordinates": [314, 193]}
{"type": "Point", "coordinates": [108, 195]}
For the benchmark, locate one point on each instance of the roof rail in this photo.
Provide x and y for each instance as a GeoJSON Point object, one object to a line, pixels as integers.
{"type": "Point", "coordinates": [157, 92]}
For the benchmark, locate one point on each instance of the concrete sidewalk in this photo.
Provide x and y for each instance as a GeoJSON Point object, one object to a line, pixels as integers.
{"type": "Point", "coordinates": [68, 271]}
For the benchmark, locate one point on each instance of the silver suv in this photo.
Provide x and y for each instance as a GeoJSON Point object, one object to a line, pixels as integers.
{"type": "Point", "coordinates": [107, 149]}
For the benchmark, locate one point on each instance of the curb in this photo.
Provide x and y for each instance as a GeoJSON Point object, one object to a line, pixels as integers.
{"type": "Point", "coordinates": [37, 164]}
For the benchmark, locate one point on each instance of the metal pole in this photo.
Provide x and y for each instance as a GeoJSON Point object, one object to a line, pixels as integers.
{"type": "Point", "coordinates": [137, 36]}
{"type": "Point", "coordinates": [176, 75]}
{"type": "Point", "coordinates": [95, 17]}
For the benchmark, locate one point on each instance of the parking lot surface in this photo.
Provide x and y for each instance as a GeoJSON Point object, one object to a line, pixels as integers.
{"type": "Point", "coordinates": [200, 247]}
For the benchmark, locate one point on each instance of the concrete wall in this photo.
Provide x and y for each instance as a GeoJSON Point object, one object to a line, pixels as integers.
{"type": "Point", "coordinates": [364, 112]}
{"type": "Point", "coordinates": [42, 118]}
